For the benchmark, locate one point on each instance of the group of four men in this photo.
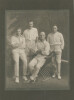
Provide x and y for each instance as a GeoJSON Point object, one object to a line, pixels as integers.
{"type": "Point", "coordinates": [30, 43]}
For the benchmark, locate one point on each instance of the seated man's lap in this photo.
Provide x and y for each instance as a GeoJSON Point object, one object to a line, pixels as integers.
{"type": "Point", "coordinates": [40, 63]}
{"type": "Point", "coordinates": [36, 63]}
{"type": "Point", "coordinates": [33, 62]}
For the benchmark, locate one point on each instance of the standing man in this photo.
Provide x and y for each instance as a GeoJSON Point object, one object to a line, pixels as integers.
{"type": "Point", "coordinates": [41, 51]}
{"type": "Point", "coordinates": [18, 51]}
{"type": "Point", "coordinates": [31, 37]}
{"type": "Point", "coordinates": [56, 42]}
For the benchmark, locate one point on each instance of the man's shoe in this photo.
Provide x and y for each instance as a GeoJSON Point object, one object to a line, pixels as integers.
{"type": "Point", "coordinates": [32, 79]}
{"type": "Point", "coordinates": [25, 78]}
{"type": "Point", "coordinates": [53, 75]}
{"type": "Point", "coordinates": [16, 80]}
{"type": "Point", "coordinates": [59, 77]}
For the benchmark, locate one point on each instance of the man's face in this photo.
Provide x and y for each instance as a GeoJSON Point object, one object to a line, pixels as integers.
{"type": "Point", "coordinates": [19, 31]}
{"type": "Point", "coordinates": [54, 29]}
{"type": "Point", "coordinates": [30, 24]}
{"type": "Point", "coordinates": [42, 36]}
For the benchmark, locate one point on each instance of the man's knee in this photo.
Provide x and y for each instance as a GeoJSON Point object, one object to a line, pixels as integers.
{"type": "Point", "coordinates": [33, 63]}
{"type": "Point", "coordinates": [24, 61]}
{"type": "Point", "coordinates": [58, 61]}
{"type": "Point", "coordinates": [30, 65]}
{"type": "Point", "coordinates": [16, 60]}
{"type": "Point", "coordinates": [58, 58]}
{"type": "Point", "coordinates": [40, 64]}
{"type": "Point", "coordinates": [38, 67]}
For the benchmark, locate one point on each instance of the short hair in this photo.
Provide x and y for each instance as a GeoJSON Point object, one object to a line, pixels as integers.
{"type": "Point", "coordinates": [55, 26]}
{"type": "Point", "coordinates": [18, 29]}
{"type": "Point", "coordinates": [43, 33]}
{"type": "Point", "coordinates": [30, 20]}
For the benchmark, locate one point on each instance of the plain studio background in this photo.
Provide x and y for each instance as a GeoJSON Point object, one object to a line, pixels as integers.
{"type": "Point", "coordinates": [43, 21]}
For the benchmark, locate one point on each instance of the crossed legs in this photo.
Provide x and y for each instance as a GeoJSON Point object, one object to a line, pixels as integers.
{"type": "Point", "coordinates": [16, 57]}
{"type": "Point", "coordinates": [34, 67]}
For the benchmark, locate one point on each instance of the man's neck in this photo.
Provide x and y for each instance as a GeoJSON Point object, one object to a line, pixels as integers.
{"type": "Point", "coordinates": [30, 28]}
{"type": "Point", "coordinates": [54, 32]}
{"type": "Point", "coordinates": [42, 40]}
{"type": "Point", "coordinates": [18, 35]}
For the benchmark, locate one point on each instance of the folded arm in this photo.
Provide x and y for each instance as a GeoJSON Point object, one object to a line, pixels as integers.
{"type": "Point", "coordinates": [13, 43]}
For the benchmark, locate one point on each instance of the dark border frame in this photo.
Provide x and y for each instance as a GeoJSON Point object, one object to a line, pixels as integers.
{"type": "Point", "coordinates": [6, 11]}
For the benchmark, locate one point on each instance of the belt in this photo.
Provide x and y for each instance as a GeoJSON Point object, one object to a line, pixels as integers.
{"type": "Point", "coordinates": [30, 40]}
{"type": "Point", "coordinates": [56, 44]}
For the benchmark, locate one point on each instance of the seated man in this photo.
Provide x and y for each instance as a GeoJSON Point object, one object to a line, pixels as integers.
{"type": "Point", "coordinates": [41, 51]}
{"type": "Point", "coordinates": [18, 51]}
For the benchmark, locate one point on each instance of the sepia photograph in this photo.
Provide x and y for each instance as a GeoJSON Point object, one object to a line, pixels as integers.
{"type": "Point", "coordinates": [37, 51]}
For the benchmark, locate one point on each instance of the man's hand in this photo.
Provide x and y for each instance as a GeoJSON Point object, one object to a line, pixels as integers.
{"type": "Point", "coordinates": [15, 45]}
{"type": "Point", "coordinates": [62, 47]}
{"type": "Point", "coordinates": [35, 52]}
{"type": "Point", "coordinates": [38, 52]}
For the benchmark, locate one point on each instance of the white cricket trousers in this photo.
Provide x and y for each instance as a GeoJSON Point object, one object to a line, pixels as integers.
{"type": "Point", "coordinates": [19, 53]}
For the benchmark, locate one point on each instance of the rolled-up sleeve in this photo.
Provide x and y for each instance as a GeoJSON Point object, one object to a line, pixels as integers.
{"type": "Point", "coordinates": [47, 49]}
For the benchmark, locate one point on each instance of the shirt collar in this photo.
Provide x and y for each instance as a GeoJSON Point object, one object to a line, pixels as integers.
{"type": "Point", "coordinates": [31, 28]}
{"type": "Point", "coordinates": [43, 41]}
{"type": "Point", "coordinates": [19, 36]}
